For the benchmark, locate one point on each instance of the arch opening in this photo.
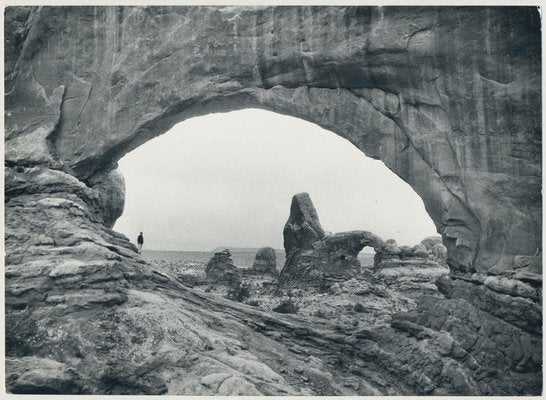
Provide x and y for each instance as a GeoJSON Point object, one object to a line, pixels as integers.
{"type": "Point", "coordinates": [227, 179]}
{"type": "Point", "coordinates": [366, 257]}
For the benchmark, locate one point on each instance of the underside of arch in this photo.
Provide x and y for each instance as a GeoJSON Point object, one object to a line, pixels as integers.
{"type": "Point", "coordinates": [400, 98]}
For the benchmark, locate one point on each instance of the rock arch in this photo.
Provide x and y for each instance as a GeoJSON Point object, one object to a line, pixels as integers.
{"type": "Point", "coordinates": [448, 98]}
{"type": "Point", "coordinates": [100, 85]}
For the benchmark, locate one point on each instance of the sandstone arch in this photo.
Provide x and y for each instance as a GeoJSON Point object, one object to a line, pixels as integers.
{"type": "Point", "coordinates": [403, 96]}
{"type": "Point", "coordinates": [448, 98]}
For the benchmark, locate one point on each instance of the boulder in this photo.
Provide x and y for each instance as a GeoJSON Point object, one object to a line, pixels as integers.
{"type": "Point", "coordinates": [436, 249]}
{"type": "Point", "coordinates": [110, 193]}
{"type": "Point", "coordinates": [265, 262]}
{"type": "Point", "coordinates": [391, 247]}
{"type": "Point", "coordinates": [406, 251]}
{"type": "Point", "coordinates": [439, 252]}
{"type": "Point", "coordinates": [33, 375]}
{"type": "Point", "coordinates": [420, 250]}
{"type": "Point", "coordinates": [430, 241]}
{"type": "Point", "coordinates": [509, 286]}
{"type": "Point", "coordinates": [221, 269]}
{"type": "Point", "coordinates": [528, 269]}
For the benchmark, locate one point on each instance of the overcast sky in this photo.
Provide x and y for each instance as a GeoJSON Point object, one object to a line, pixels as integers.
{"type": "Point", "coordinates": [228, 179]}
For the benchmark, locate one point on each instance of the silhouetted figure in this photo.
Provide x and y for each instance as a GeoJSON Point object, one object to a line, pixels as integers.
{"type": "Point", "coordinates": [140, 241]}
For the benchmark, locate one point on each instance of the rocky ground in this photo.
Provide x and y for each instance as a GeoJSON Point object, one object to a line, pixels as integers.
{"type": "Point", "coordinates": [368, 299]}
{"type": "Point", "coordinates": [85, 314]}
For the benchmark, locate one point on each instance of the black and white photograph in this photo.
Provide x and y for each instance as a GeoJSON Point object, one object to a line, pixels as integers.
{"type": "Point", "coordinates": [272, 200]}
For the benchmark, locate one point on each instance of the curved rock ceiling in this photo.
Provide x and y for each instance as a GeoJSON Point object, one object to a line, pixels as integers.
{"type": "Point", "coordinates": [446, 101]}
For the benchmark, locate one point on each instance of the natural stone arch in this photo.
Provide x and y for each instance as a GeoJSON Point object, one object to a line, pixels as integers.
{"type": "Point", "coordinates": [100, 85]}
{"type": "Point", "coordinates": [448, 98]}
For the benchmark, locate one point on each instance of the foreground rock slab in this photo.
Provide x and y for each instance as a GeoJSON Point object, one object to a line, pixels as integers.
{"type": "Point", "coordinates": [87, 314]}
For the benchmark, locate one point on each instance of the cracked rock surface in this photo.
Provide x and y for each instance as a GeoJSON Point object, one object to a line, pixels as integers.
{"type": "Point", "coordinates": [448, 98]}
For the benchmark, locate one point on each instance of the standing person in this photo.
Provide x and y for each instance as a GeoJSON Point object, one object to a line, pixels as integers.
{"type": "Point", "coordinates": [140, 241]}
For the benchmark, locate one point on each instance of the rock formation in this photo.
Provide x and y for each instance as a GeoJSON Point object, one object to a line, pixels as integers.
{"type": "Point", "coordinates": [410, 87]}
{"type": "Point", "coordinates": [410, 270]}
{"type": "Point", "coordinates": [448, 98]}
{"type": "Point", "coordinates": [529, 269]}
{"type": "Point", "coordinates": [436, 250]}
{"type": "Point", "coordinates": [265, 262]}
{"type": "Point", "coordinates": [303, 227]}
{"type": "Point", "coordinates": [315, 258]}
{"type": "Point", "coordinates": [221, 269]}
{"type": "Point", "coordinates": [430, 241]}
{"type": "Point", "coordinates": [391, 247]}
{"type": "Point", "coordinates": [38, 375]}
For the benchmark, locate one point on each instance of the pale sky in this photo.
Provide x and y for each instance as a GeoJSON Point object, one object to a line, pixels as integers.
{"type": "Point", "coordinates": [228, 179]}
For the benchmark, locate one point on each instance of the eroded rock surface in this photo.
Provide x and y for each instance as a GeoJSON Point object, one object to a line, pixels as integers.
{"type": "Point", "coordinates": [411, 270]}
{"type": "Point", "coordinates": [314, 258]}
{"type": "Point", "coordinates": [436, 249]}
{"type": "Point", "coordinates": [221, 269]}
{"type": "Point", "coordinates": [464, 134]}
{"type": "Point", "coordinates": [265, 262]}
{"type": "Point", "coordinates": [87, 314]}
{"type": "Point", "coordinates": [32, 375]}
{"type": "Point", "coordinates": [447, 98]}
{"type": "Point", "coordinates": [303, 227]}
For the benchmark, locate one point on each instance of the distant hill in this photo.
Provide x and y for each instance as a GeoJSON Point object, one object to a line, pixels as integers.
{"type": "Point", "coordinates": [242, 249]}
{"type": "Point", "coordinates": [242, 256]}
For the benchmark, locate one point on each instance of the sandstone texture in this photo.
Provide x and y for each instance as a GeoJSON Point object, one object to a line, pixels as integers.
{"type": "Point", "coordinates": [265, 262]}
{"type": "Point", "coordinates": [411, 270]}
{"type": "Point", "coordinates": [436, 249]}
{"type": "Point", "coordinates": [316, 258]}
{"type": "Point", "coordinates": [303, 227]}
{"type": "Point", "coordinates": [464, 134]}
{"type": "Point", "coordinates": [449, 98]}
{"type": "Point", "coordinates": [221, 269]}
{"type": "Point", "coordinates": [31, 375]}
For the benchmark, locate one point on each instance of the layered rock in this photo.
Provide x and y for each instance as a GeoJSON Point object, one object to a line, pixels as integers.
{"type": "Point", "coordinates": [528, 269]}
{"type": "Point", "coordinates": [265, 262]}
{"type": "Point", "coordinates": [409, 270]}
{"type": "Point", "coordinates": [480, 318]}
{"type": "Point", "coordinates": [315, 258]}
{"type": "Point", "coordinates": [221, 269]}
{"type": "Point", "coordinates": [122, 327]}
{"type": "Point", "coordinates": [430, 114]}
{"type": "Point", "coordinates": [31, 375]}
{"type": "Point", "coordinates": [447, 98]}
